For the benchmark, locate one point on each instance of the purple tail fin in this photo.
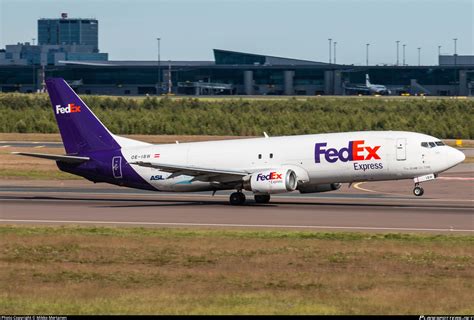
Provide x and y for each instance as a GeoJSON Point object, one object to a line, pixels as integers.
{"type": "Point", "coordinates": [80, 129]}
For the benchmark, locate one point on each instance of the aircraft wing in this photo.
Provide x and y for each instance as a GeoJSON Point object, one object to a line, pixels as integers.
{"type": "Point", "coordinates": [57, 157]}
{"type": "Point", "coordinates": [198, 173]}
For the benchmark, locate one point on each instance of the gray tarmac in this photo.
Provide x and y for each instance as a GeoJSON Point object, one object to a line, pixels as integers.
{"type": "Point", "coordinates": [446, 207]}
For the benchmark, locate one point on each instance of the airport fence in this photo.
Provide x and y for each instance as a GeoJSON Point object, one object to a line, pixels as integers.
{"type": "Point", "coordinates": [443, 118]}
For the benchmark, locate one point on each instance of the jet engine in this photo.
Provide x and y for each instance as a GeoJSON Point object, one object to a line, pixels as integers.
{"type": "Point", "coordinates": [278, 180]}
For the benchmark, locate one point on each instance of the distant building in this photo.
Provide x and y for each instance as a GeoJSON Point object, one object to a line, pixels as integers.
{"type": "Point", "coordinates": [59, 40]}
{"type": "Point", "coordinates": [69, 48]}
{"type": "Point", "coordinates": [453, 60]}
{"type": "Point", "coordinates": [67, 31]}
{"type": "Point", "coordinates": [27, 54]}
{"type": "Point", "coordinates": [238, 73]}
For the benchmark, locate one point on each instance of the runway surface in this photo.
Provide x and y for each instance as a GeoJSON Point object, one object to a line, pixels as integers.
{"type": "Point", "coordinates": [375, 207]}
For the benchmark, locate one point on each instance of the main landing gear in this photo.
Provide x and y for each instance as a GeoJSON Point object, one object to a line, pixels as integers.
{"type": "Point", "coordinates": [418, 191]}
{"type": "Point", "coordinates": [238, 198]}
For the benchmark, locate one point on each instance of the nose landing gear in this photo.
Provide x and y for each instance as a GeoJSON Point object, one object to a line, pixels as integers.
{"type": "Point", "coordinates": [418, 191]}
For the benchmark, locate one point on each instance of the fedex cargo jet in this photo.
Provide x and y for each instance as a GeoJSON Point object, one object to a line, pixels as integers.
{"type": "Point", "coordinates": [264, 166]}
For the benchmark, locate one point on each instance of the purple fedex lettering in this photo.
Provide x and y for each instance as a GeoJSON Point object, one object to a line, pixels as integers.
{"type": "Point", "coordinates": [318, 151]}
{"type": "Point", "coordinates": [353, 152]}
{"type": "Point", "coordinates": [332, 155]}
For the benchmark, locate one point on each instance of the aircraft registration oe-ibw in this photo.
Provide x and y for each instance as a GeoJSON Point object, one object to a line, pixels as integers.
{"type": "Point", "coordinates": [264, 166]}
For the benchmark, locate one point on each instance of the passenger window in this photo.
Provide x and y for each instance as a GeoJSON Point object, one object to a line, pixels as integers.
{"type": "Point", "coordinates": [424, 144]}
{"type": "Point", "coordinates": [440, 143]}
{"type": "Point", "coordinates": [271, 155]}
{"type": "Point", "coordinates": [260, 156]}
{"type": "Point", "coordinates": [432, 144]}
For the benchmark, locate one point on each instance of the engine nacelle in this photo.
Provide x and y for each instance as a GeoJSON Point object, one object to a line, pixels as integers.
{"type": "Point", "coordinates": [314, 188]}
{"type": "Point", "coordinates": [271, 181]}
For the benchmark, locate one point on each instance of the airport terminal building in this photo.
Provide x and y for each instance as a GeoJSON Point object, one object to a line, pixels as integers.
{"type": "Point", "coordinates": [68, 48]}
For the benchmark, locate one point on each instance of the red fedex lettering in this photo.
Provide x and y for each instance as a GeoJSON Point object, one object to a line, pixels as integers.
{"type": "Point", "coordinates": [356, 150]}
{"type": "Point", "coordinates": [71, 108]}
{"type": "Point", "coordinates": [275, 175]}
{"type": "Point", "coordinates": [372, 153]}
{"type": "Point", "coordinates": [74, 108]}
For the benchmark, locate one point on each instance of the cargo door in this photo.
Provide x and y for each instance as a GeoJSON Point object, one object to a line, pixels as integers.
{"type": "Point", "coordinates": [401, 149]}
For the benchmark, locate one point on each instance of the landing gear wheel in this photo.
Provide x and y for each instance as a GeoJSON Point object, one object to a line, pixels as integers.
{"type": "Point", "coordinates": [262, 198]}
{"type": "Point", "coordinates": [418, 191]}
{"type": "Point", "coordinates": [237, 198]}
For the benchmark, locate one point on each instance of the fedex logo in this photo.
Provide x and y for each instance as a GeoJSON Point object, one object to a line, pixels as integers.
{"type": "Point", "coordinates": [270, 176]}
{"type": "Point", "coordinates": [355, 151]}
{"type": "Point", "coordinates": [71, 108]}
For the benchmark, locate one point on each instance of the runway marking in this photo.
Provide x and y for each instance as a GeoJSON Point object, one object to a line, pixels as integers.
{"type": "Point", "coordinates": [37, 147]}
{"type": "Point", "coordinates": [5, 146]}
{"type": "Point", "coordinates": [234, 225]}
{"type": "Point", "coordinates": [358, 187]}
{"type": "Point", "coordinates": [456, 178]}
{"type": "Point", "coordinates": [190, 196]}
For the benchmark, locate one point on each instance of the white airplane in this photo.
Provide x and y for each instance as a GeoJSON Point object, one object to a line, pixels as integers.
{"type": "Point", "coordinates": [376, 88]}
{"type": "Point", "coordinates": [264, 166]}
{"type": "Point", "coordinates": [368, 88]}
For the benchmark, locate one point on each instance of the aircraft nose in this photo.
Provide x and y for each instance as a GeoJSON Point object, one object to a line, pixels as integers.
{"type": "Point", "coordinates": [456, 156]}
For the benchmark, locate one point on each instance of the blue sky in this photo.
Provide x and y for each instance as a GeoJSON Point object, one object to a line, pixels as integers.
{"type": "Point", "coordinates": [298, 29]}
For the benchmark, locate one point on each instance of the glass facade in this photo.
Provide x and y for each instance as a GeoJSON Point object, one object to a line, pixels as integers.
{"type": "Point", "coordinates": [265, 80]}
{"type": "Point", "coordinates": [69, 32]}
{"type": "Point", "coordinates": [403, 75]}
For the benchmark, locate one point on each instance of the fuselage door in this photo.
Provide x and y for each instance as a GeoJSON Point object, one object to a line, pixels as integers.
{"type": "Point", "coordinates": [401, 149]}
{"type": "Point", "coordinates": [117, 167]}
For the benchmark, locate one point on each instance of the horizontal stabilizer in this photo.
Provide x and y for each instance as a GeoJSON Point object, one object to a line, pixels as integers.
{"type": "Point", "coordinates": [57, 157]}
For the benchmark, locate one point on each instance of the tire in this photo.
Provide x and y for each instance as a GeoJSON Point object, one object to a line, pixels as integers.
{"type": "Point", "coordinates": [262, 198]}
{"type": "Point", "coordinates": [237, 199]}
{"type": "Point", "coordinates": [418, 191]}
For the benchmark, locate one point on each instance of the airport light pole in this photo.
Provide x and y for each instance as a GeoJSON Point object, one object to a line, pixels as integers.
{"type": "Point", "coordinates": [367, 53]}
{"type": "Point", "coordinates": [404, 54]}
{"type": "Point", "coordinates": [419, 56]}
{"type": "Point", "coordinates": [329, 50]}
{"type": "Point", "coordinates": [439, 53]}
{"type": "Point", "coordinates": [455, 51]}
{"type": "Point", "coordinates": [334, 60]}
{"type": "Point", "coordinates": [398, 43]}
{"type": "Point", "coordinates": [170, 83]}
{"type": "Point", "coordinates": [158, 89]}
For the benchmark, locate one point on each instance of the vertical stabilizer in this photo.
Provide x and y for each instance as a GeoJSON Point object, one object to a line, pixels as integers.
{"type": "Point", "coordinates": [80, 129]}
{"type": "Point", "coordinates": [367, 80]}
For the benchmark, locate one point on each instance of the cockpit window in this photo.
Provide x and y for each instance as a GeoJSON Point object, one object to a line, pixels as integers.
{"type": "Point", "coordinates": [432, 144]}
{"type": "Point", "coordinates": [440, 143]}
{"type": "Point", "coordinates": [424, 144]}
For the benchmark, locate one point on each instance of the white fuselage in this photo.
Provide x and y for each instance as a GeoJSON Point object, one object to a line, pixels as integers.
{"type": "Point", "coordinates": [326, 158]}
